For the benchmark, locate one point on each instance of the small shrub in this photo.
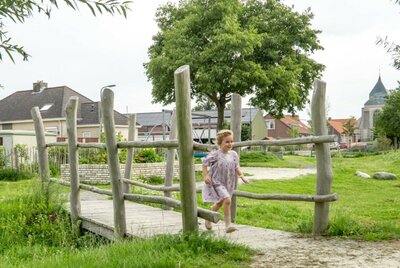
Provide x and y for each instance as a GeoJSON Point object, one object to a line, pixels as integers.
{"type": "Point", "coordinates": [155, 180]}
{"type": "Point", "coordinates": [147, 155]}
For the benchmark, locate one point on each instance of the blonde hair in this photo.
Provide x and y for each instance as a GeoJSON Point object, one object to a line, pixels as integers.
{"type": "Point", "coordinates": [222, 134]}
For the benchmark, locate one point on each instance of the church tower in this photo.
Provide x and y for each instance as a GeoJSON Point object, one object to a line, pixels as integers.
{"type": "Point", "coordinates": [374, 104]}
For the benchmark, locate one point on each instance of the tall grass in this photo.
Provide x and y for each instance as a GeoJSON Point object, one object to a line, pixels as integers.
{"type": "Point", "coordinates": [36, 231]}
{"type": "Point", "coordinates": [196, 250]}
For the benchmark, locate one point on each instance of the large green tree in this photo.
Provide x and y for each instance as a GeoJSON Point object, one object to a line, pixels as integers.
{"type": "Point", "coordinates": [20, 10]}
{"type": "Point", "coordinates": [233, 46]}
{"type": "Point", "coordinates": [387, 122]}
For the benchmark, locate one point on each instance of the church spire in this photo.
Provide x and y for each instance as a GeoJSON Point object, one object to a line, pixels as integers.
{"type": "Point", "coordinates": [378, 93]}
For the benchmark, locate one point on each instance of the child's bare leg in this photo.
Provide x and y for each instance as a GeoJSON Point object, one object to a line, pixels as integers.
{"type": "Point", "coordinates": [215, 207]}
{"type": "Point", "coordinates": [229, 227]}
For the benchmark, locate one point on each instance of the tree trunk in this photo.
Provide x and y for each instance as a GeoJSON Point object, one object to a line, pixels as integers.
{"type": "Point", "coordinates": [220, 121]}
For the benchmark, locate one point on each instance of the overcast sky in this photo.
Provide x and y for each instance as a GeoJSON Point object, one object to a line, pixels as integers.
{"type": "Point", "coordinates": [86, 53]}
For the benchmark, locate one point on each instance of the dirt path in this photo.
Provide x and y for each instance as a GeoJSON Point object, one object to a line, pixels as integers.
{"type": "Point", "coordinates": [258, 173]}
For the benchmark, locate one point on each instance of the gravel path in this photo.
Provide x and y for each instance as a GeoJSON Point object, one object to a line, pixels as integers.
{"type": "Point", "coordinates": [258, 173]}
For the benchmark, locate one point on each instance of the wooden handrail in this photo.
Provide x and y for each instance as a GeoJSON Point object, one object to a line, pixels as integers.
{"type": "Point", "coordinates": [294, 141]}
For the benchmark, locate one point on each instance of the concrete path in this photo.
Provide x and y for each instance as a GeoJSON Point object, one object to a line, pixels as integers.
{"type": "Point", "coordinates": [258, 173]}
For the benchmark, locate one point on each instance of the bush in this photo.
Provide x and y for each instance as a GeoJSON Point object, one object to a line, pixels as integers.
{"type": "Point", "coordinates": [9, 174]}
{"type": "Point", "coordinates": [258, 156]}
{"type": "Point", "coordinates": [3, 159]}
{"type": "Point", "coordinates": [153, 180]}
{"type": "Point", "coordinates": [147, 155]}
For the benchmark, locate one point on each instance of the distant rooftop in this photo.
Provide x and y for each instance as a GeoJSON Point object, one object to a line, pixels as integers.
{"type": "Point", "coordinates": [377, 94]}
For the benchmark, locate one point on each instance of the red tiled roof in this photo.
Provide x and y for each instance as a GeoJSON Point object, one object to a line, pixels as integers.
{"type": "Point", "coordinates": [295, 121]}
{"type": "Point", "coordinates": [337, 124]}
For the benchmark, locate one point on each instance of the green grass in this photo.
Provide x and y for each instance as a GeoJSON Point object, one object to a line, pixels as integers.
{"type": "Point", "coordinates": [367, 209]}
{"type": "Point", "coordinates": [265, 159]}
{"type": "Point", "coordinates": [197, 250]}
{"type": "Point", "coordinates": [35, 231]}
{"type": "Point", "coordinates": [9, 174]}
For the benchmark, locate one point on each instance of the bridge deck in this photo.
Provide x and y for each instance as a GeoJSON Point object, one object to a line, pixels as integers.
{"type": "Point", "coordinates": [146, 221]}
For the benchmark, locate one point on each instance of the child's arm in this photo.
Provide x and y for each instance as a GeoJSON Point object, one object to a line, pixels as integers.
{"type": "Point", "coordinates": [241, 175]}
{"type": "Point", "coordinates": [207, 178]}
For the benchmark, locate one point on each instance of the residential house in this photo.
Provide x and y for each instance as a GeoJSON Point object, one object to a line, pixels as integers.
{"type": "Point", "coordinates": [336, 127]}
{"type": "Point", "coordinates": [15, 112]}
{"type": "Point", "coordinates": [10, 138]}
{"type": "Point", "coordinates": [282, 128]}
{"type": "Point", "coordinates": [204, 124]}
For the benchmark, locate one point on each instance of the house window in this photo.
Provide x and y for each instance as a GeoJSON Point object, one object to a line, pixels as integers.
{"type": "Point", "coordinates": [46, 107]}
{"type": "Point", "coordinates": [1, 141]}
{"type": "Point", "coordinates": [87, 134]}
{"type": "Point", "coordinates": [270, 123]}
{"type": "Point", "coordinates": [7, 126]}
{"type": "Point", "coordinates": [53, 130]}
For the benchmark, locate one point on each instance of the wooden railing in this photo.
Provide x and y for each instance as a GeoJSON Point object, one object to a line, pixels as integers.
{"type": "Point", "coordinates": [186, 146]}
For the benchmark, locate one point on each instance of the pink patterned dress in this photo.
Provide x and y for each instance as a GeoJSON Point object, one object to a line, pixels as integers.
{"type": "Point", "coordinates": [222, 170]}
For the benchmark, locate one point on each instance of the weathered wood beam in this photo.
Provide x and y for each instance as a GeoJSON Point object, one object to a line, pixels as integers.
{"type": "Point", "coordinates": [186, 159]}
{"type": "Point", "coordinates": [57, 144]}
{"type": "Point", "coordinates": [107, 108]}
{"type": "Point", "coordinates": [73, 157]}
{"type": "Point", "coordinates": [160, 188]}
{"type": "Point", "coordinates": [41, 147]}
{"type": "Point", "coordinates": [169, 167]}
{"type": "Point", "coordinates": [294, 141]}
{"type": "Point", "coordinates": [148, 144]}
{"type": "Point", "coordinates": [236, 127]}
{"type": "Point", "coordinates": [83, 187]}
{"type": "Point", "coordinates": [202, 213]}
{"type": "Point", "coordinates": [92, 145]}
{"type": "Point", "coordinates": [129, 154]}
{"type": "Point", "coordinates": [323, 157]}
{"type": "Point", "coordinates": [288, 197]}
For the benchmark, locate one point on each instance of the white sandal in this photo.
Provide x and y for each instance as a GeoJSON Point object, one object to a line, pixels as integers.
{"type": "Point", "coordinates": [208, 225]}
{"type": "Point", "coordinates": [230, 229]}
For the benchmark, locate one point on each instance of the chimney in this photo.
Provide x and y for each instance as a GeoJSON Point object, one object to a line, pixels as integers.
{"type": "Point", "coordinates": [39, 86]}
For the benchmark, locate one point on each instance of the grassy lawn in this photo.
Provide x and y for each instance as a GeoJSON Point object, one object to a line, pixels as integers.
{"type": "Point", "coordinates": [367, 209]}
{"type": "Point", "coordinates": [35, 231]}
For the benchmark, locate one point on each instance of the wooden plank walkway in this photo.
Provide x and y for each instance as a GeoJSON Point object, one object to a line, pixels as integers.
{"type": "Point", "coordinates": [146, 221]}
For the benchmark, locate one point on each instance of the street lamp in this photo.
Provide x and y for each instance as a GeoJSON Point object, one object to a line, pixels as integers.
{"type": "Point", "coordinates": [100, 113]}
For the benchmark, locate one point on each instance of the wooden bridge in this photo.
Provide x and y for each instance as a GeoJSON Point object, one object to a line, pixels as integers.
{"type": "Point", "coordinates": [117, 219]}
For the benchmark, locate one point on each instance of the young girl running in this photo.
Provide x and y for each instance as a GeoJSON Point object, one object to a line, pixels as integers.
{"type": "Point", "coordinates": [220, 177]}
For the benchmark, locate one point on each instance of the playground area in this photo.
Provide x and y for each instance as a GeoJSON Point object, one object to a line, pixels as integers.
{"type": "Point", "coordinates": [275, 248]}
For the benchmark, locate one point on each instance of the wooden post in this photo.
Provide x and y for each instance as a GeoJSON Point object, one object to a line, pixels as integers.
{"type": "Point", "coordinates": [75, 202]}
{"type": "Point", "coordinates": [323, 157]}
{"type": "Point", "coordinates": [41, 147]}
{"type": "Point", "coordinates": [169, 169]}
{"type": "Point", "coordinates": [107, 107]}
{"type": "Point", "coordinates": [129, 154]}
{"type": "Point", "coordinates": [236, 127]}
{"type": "Point", "coordinates": [186, 158]}
{"type": "Point", "coordinates": [16, 162]}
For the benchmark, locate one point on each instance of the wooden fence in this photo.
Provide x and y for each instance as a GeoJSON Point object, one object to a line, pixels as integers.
{"type": "Point", "coordinates": [186, 147]}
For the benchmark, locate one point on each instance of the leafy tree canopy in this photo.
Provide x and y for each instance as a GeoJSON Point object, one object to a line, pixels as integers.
{"type": "Point", "coordinates": [387, 122]}
{"type": "Point", "coordinates": [233, 46]}
{"type": "Point", "coordinates": [19, 11]}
